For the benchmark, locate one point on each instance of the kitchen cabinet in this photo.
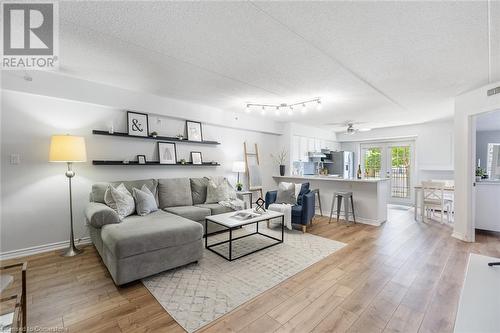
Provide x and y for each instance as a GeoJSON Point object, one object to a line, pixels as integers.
{"type": "Point", "coordinates": [302, 145]}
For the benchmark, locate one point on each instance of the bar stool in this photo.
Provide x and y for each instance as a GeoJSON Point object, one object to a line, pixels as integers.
{"type": "Point", "coordinates": [338, 196]}
{"type": "Point", "coordinates": [316, 193]}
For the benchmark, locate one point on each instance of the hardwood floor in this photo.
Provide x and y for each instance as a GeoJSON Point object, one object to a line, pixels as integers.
{"type": "Point", "coordinates": [402, 277]}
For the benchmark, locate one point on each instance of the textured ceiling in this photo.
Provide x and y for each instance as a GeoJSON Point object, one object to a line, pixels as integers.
{"type": "Point", "coordinates": [381, 63]}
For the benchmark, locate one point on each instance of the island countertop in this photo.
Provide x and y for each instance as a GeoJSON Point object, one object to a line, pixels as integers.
{"type": "Point", "coordinates": [370, 195]}
{"type": "Point", "coordinates": [333, 178]}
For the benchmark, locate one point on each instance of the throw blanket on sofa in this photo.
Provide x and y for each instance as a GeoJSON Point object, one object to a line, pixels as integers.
{"type": "Point", "coordinates": [285, 209]}
{"type": "Point", "coordinates": [235, 204]}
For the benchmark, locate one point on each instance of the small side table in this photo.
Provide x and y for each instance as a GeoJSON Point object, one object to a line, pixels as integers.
{"type": "Point", "coordinates": [241, 195]}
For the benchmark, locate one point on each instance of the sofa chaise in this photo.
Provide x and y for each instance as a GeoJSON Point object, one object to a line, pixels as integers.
{"type": "Point", "coordinates": [139, 246]}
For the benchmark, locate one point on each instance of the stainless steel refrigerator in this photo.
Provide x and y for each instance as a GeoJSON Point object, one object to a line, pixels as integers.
{"type": "Point", "coordinates": [342, 164]}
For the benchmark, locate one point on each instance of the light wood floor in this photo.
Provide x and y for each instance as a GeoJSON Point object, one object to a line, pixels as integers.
{"type": "Point", "coordinates": [402, 277]}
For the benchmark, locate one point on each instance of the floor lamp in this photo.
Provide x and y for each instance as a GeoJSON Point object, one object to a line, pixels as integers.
{"type": "Point", "coordinates": [68, 149]}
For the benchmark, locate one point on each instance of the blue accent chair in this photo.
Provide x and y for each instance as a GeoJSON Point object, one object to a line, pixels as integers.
{"type": "Point", "coordinates": [303, 212]}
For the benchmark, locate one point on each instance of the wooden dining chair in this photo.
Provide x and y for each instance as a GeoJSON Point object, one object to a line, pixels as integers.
{"type": "Point", "coordinates": [434, 199]}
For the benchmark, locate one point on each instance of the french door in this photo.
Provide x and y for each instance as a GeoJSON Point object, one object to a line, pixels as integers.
{"type": "Point", "coordinates": [393, 160]}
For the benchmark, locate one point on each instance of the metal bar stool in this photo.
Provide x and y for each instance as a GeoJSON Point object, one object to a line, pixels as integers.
{"type": "Point", "coordinates": [316, 193]}
{"type": "Point", "coordinates": [338, 196]}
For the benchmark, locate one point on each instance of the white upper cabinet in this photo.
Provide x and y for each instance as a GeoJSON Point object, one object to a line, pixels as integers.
{"type": "Point", "coordinates": [303, 145]}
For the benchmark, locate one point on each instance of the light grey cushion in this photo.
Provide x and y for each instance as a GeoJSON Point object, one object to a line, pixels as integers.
{"type": "Point", "coordinates": [145, 202]}
{"type": "Point", "coordinates": [174, 192]}
{"type": "Point", "coordinates": [98, 214]}
{"type": "Point", "coordinates": [98, 189]}
{"type": "Point", "coordinates": [141, 234]}
{"type": "Point", "coordinates": [199, 190]}
{"type": "Point", "coordinates": [120, 200]}
{"type": "Point", "coordinates": [219, 189]}
{"type": "Point", "coordinates": [286, 193]}
{"type": "Point", "coordinates": [216, 208]}
{"type": "Point", "coordinates": [190, 212]}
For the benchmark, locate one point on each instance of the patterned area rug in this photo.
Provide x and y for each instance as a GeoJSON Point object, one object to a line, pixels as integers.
{"type": "Point", "coordinates": [197, 294]}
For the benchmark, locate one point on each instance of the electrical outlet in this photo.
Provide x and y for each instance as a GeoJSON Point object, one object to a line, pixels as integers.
{"type": "Point", "coordinates": [15, 159]}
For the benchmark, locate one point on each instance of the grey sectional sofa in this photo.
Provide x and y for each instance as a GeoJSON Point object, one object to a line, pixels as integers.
{"type": "Point", "coordinates": [139, 246]}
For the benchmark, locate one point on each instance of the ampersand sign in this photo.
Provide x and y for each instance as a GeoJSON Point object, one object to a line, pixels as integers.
{"type": "Point", "coordinates": [136, 126]}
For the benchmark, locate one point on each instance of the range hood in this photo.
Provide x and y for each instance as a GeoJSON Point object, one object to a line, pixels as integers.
{"type": "Point", "coordinates": [316, 154]}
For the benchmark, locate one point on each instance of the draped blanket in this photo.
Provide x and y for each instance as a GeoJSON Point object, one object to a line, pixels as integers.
{"type": "Point", "coordinates": [285, 209]}
{"type": "Point", "coordinates": [235, 204]}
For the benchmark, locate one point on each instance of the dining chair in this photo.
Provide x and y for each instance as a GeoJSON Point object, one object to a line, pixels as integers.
{"type": "Point", "coordinates": [434, 199]}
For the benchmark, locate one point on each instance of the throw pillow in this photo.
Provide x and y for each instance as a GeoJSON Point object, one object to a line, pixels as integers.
{"type": "Point", "coordinates": [286, 193]}
{"type": "Point", "coordinates": [303, 190]}
{"type": "Point", "coordinates": [120, 200]}
{"type": "Point", "coordinates": [145, 202]}
{"type": "Point", "coordinates": [219, 189]}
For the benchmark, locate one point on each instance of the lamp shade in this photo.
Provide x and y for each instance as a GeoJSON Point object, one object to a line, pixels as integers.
{"type": "Point", "coordinates": [67, 148]}
{"type": "Point", "coordinates": [239, 166]}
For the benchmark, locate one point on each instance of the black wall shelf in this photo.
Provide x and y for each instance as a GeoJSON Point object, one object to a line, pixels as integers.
{"type": "Point", "coordinates": [158, 138]}
{"type": "Point", "coordinates": [149, 163]}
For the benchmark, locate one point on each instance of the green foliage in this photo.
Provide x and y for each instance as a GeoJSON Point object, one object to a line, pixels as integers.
{"type": "Point", "coordinates": [400, 157]}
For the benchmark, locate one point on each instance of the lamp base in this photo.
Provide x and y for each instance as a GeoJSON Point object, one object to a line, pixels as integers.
{"type": "Point", "coordinates": [71, 251]}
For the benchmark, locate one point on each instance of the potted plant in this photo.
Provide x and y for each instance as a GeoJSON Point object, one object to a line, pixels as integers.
{"type": "Point", "coordinates": [280, 159]}
{"type": "Point", "coordinates": [154, 134]}
{"type": "Point", "coordinates": [239, 186]}
{"type": "Point", "coordinates": [479, 174]}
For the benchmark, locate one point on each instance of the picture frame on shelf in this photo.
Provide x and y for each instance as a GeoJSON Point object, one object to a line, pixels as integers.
{"type": "Point", "coordinates": [167, 153]}
{"type": "Point", "coordinates": [137, 124]}
{"type": "Point", "coordinates": [141, 159]}
{"type": "Point", "coordinates": [194, 131]}
{"type": "Point", "coordinates": [196, 158]}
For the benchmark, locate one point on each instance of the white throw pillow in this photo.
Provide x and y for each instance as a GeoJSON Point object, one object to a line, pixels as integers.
{"type": "Point", "coordinates": [145, 202]}
{"type": "Point", "coordinates": [298, 187]}
{"type": "Point", "coordinates": [120, 200]}
{"type": "Point", "coordinates": [219, 189]}
{"type": "Point", "coordinates": [286, 193]}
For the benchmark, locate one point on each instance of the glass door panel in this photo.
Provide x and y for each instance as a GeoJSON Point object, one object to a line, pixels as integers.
{"type": "Point", "coordinates": [400, 172]}
{"type": "Point", "coordinates": [372, 161]}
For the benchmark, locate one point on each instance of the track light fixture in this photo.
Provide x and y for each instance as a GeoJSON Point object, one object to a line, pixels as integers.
{"type": "Point", "coordinates": [284, 107]}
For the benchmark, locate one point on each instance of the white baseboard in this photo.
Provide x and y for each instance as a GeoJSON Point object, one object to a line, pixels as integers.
{"type": "Point", "coordinates": [460, 236]}
{"type": "Point", "coordinates": [358, 219]}
{"type": "Point", "coordinates": [41, 249]}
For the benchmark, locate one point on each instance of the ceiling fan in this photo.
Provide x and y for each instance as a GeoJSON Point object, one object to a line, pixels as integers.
{"type": "Point", "coordinates": [350, 127]}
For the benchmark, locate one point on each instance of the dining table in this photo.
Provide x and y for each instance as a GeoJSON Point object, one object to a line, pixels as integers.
{"type": "Point", "coordinates": [449, 192]}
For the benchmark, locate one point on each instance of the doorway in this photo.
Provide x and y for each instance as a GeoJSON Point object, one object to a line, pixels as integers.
{"type": "Point", "coordinates": [394, 160]}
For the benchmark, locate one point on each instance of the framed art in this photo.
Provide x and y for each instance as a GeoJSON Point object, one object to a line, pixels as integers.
{"type": "Point", "coordinates": [193, 130]}
{"type": "Point", "coordinates": [167, 153]}
{"type": "Point", "coordinates": [196, 157]}
{"type": "Point", "coordinates": [141, 159]}
{"type": "Point", "coordinates": [137, 124]}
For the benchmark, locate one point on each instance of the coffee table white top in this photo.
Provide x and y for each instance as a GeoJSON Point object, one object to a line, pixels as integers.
{"type": "Point", "coordinates": [227, 220]}
{"type": "Point", "coordinates": [480, 299]}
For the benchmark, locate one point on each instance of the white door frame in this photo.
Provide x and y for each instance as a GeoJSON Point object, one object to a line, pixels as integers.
{"type": "Point", "coordinates": [467, 106]}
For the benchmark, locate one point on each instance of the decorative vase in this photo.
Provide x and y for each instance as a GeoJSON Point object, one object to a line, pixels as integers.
{"type": "Point", "coordinates": [282, 170]}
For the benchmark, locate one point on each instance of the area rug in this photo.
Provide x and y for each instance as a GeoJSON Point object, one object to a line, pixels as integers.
{"type": "Point", "coordinates": [197, 294]}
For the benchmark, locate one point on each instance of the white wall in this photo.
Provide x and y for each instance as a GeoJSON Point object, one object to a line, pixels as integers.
{"type": "Point", "coordinates": [468, 105]}
{"type": "Point", "coordinates": [34, 194]}
{"type": "Point", "coordinates": [434, 146]}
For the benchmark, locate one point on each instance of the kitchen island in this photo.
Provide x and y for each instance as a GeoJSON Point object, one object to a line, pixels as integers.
{"type": "Point", "coordinates": [370, 195]}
